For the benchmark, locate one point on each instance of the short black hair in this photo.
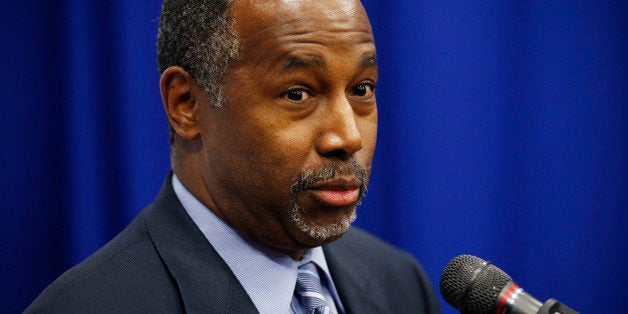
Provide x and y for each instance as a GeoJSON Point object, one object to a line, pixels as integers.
{"type": "Point", "coordinates": [198, 36]}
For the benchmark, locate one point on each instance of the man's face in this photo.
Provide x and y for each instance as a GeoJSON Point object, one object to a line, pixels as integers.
{"type": "Point", "coordinates": [288, 156]}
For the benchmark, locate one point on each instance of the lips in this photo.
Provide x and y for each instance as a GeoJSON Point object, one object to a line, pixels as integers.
{"type": "Point", "coordinates": [336, 192]}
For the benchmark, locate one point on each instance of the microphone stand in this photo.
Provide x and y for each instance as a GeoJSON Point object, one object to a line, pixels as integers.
{"type": "Point", "coordinates": [552, 306]}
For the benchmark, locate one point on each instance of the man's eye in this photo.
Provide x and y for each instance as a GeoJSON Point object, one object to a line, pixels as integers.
{"type": "Point", "coordinates": [363, 90]}
{"type": "Point", "coordinates": [296, 95]}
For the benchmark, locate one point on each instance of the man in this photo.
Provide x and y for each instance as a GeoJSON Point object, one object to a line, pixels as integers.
{"type": "Point", "coordinates": [273, 125]}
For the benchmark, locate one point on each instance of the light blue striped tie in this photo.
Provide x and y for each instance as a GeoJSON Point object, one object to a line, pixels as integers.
{"type": "Point", "coordinates": [309, 290]}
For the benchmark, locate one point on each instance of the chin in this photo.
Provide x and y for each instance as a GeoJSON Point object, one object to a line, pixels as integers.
{"type": "Point", "coordinates": [319, 233]}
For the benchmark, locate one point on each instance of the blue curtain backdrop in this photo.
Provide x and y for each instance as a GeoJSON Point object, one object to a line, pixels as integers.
{"type": "Point", "coordinates": [503, 134]}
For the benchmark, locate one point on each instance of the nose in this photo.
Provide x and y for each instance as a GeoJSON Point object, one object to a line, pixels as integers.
{"type": "Point", "coordinates": [340, 137]}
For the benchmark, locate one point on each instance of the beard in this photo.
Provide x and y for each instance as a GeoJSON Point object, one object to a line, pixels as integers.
{"type": "Point", "coordinates": [333, 230]}
{"type": "Point", "coordinates": [322, 232]}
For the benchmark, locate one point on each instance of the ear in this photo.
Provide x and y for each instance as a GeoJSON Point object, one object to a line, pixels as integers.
{"type": "Point", "coordinates": [180, 97]}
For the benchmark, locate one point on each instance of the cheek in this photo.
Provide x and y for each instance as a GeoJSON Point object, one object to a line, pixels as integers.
{"type": "Point", "coordinates": [368, 131]}
{"type": "Point", "coordinates": [278, 146]}
{"type": "Point", "coordinates": [271, 154]}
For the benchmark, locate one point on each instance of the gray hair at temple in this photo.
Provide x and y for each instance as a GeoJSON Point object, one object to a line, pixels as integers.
{"type": "Point", "coordinates": [198, 36]}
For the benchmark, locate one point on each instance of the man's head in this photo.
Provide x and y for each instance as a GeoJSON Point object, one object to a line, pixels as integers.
{"type": "Point", "coordinates": [286, 160]}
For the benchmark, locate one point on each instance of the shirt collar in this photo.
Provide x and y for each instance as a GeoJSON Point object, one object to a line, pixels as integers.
{"type": "Point", "coordinates": [268, 277]}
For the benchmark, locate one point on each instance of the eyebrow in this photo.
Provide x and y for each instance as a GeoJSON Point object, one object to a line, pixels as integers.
{"type": "Point", "coordinates": [299, 62]}
{"type": "Point", "coordinates": [368, 61]}
{"type": "Point", "coordinates": [295, 62]}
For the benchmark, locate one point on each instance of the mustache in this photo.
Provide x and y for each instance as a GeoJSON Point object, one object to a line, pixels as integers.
{"type": "Point", "coordinates": [330, 171]}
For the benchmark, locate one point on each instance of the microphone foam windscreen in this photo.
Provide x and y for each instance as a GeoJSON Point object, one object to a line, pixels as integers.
{"type": "Point", "coordinates": [472, 285]}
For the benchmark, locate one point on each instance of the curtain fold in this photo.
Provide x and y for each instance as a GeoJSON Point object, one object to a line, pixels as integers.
{"type": "Point", "coordinates": [503, 133]}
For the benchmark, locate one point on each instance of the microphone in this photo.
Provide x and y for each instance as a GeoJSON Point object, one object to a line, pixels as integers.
{"type": "Point", "coordinates": [475, 286]}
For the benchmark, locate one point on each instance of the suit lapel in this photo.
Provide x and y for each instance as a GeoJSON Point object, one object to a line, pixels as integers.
{"type": "Point", "coordinates": [205, 282]}
{"type": "Point", "coordinates": [351, 277]}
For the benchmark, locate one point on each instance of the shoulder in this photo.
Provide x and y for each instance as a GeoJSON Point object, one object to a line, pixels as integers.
{"type": "Point", "coordinates": [395, 277]}
{"type": "Point", "coordinates": [126, 275]}
{"type": "Point", "coordinates": [362, 245]}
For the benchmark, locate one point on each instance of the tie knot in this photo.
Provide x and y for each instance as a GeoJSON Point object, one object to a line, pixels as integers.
{"type": "Point", "coordinates": [309, 290]}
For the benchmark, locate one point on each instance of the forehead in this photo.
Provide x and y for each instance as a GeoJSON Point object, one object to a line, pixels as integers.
{"type": "Point", "coordinates": [327, 22]}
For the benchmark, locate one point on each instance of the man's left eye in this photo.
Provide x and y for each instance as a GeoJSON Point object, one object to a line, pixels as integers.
{"type": "Point", "coordinates": [296, 95]}
{"type": "Point", "coordinates": [363, 90]}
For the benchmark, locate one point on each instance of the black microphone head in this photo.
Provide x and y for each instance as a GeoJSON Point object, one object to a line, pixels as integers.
{"type": "Point", "coordinates": [472, 285]}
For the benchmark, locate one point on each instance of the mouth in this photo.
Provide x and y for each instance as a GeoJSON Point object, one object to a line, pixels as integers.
{"type": "Point", "coordinates": [338, 192]}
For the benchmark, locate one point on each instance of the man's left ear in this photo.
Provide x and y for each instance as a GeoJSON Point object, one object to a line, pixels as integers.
{"type": "Point", "coordinates": [180, 101]}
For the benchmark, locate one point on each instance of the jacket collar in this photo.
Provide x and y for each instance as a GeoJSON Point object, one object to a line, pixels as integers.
{"type": "Point", "coordinates": [205, 282]}
{"type": "Point", "coordinates": [352, 278]}
{"type": "Point", "coordinates": [207, 285]}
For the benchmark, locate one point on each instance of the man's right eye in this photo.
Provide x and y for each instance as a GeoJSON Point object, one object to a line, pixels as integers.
{"type": "Point", "coordinates": [296, 95]}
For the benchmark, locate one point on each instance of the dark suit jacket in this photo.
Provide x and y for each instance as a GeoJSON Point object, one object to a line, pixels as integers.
{"type": "Point", "coordinates": [162, 263]}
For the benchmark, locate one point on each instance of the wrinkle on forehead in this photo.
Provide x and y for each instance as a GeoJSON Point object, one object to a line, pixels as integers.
{"type": "Point", "coordinates": [295, 17]}
{"type": "Point", "coordinates": [336, 10]}
{"type": "Point", "coordinates": [330, 7]}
